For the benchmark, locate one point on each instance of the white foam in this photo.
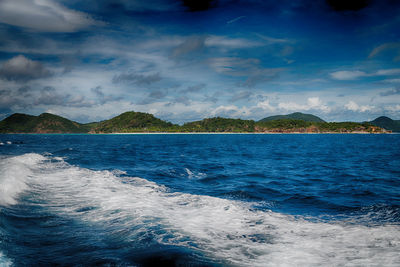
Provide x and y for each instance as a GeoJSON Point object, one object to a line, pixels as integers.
{"type": "Point", "coordinates": [4, 262]}
{"type": "Point", "coordinates": [192, 175]}
{"type": "Point", "coordinates": [14, 173]}
{"type": "Point", "coordinates": [223, 229]}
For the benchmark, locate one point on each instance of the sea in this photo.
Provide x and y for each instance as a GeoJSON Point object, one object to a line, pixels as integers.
{"type": "Point", "coordinates": [200, 200]}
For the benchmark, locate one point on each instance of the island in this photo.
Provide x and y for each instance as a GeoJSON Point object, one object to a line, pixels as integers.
{"type": "Point", "coordinates": [139, 122]}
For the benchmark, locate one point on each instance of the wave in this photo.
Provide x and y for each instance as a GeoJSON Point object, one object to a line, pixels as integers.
{"type": "Point", "coordinates": [226, 230]}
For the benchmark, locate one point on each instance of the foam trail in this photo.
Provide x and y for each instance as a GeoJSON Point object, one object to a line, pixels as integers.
{"type": "Point", "coordinates": [5, 262]}
{"type": "Point", "coordinates": [223, 229]}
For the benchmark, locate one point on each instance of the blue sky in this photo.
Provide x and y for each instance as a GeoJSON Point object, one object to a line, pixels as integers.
{"type": "Point", "coordinates": [182, 61]}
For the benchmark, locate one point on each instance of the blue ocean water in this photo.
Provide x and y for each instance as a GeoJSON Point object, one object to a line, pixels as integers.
{"type": "Point", "coordinates": [200, 200]}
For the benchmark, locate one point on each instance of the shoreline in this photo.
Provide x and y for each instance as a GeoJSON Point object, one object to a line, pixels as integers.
{"type": "Point", "coordinates": [194, 133]}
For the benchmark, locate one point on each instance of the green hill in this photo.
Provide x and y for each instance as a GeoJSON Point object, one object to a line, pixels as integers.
{"type": "Point", "coordinates": [131, 122]}
{"type": "Point", "coordinates": [387, 123]}
{"type": "Point", "coordinates": [294, 116]}
{"type": "Point", "coordinates": [44, 123]}
{"type": "Point", "coordinates": [219, 124]}
{"type": "Point", "coordinates": [301, 126]}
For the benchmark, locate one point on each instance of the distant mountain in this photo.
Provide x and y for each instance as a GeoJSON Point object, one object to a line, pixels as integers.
{"type": "Point", "coordinates": [219, 124]}
{"type": "Point", "coordinates": [44, 123]}
{"type": "Point", "coordinates": [387, 123]}
{"type": "Point", "coordinates": [294, 116]}
{"type": "Point", "coordinates": [131, 122]}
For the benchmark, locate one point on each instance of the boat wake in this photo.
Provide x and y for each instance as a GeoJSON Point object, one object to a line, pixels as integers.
{"type": "Point", "coordinates": [229, 232]}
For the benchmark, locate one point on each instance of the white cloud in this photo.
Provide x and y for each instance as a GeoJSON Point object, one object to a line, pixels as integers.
{"type": "Point", "coordinates": [391, 92]}
{"type": "Point", "coordinates": [313, 103]}
{"type": "Point", "coordinates": [386, 47]}
{"type": "Point", "coordinates": [299, 82]}
{"type": "Point", "coordinates": [388, 72]}
{"type": "Point", "coordinates": [394, 108]}
{"type": "Point", "coordinates": [234, 66]}
{"type": "Point", "coordinates": [347, 75]}
{"type": "Point", "coordinates": [223, 41]}
{"type": "Point", "coordinates": [355, 74]}
{"type": "Point", "coordinates": [265, 105]}
{"type": "Point", "coordinates": [230, 111]}
{"type": "Point", "coordinates": [316, 103]}
{"type": "Point", "coordinates": [353, 106]}
{"type": "Point", "coordinates": [392, 80]}
{"type": "Point", "coordinates": [273, 40]}
{"type": "Point", "coordinates": [291, 106]}
{"type": "Point", "coordinates": [235, 19]}
{"type": "Point", "coordinates": [43, 15]}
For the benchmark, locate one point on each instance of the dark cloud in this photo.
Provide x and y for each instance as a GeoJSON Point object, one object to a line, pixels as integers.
{"type": "Point", "coordinates": [49, 96]}
{"type": "Point", "coordinates": [194, 88]}
{"type": "Point", "coordinates": [243, 95]}
{"type": "Point", "coordinates": [190, 45]}
{"type": "Point", "coordinates": [262, 75]}
{"type": "Point", "coordinates": [199, 5]}
{"type": "Point", "coordinates": [250, 68]}
{"type": "Point", "coordinates": [69, 62]}
{"type": "Point", "coordinates": [182, 100]}
{"type": "Point", "coordinates": [98, 91]}
{"type": "Point", "coordinates": [395, 91]}
{"type": "Point", "coordinates": [28, 97]}
{"type": "Point", "coordinates": [24, 89]}
{"type": "Point", "coordinates": [6, 99]}
{"type": "Point", "coordinates": [157, 94]}
{"type": "Point", "coordinates": [15, 98]}
{"type": "Point", "coordinates": [348, 5]}
{"type": "Point", "coordinates": [153, 97]}
{"type": "Point", "coordinates": [211, 98]}
{"type": "Point", "coordinates": [22, 69]}
{"type": "Point", "coordinates": [244, 67]}
{"type": "Point", "coordinates": [178, 100]}
{"type": "Point", "coordinates": [138, 79]}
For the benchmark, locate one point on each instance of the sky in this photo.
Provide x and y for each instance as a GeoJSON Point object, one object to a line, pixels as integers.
{"type": "Point", "coordinates": [90, 60]}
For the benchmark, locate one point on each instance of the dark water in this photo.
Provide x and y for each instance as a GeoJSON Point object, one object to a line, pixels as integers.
{"type": "Point", "coordinates": [200, 200]}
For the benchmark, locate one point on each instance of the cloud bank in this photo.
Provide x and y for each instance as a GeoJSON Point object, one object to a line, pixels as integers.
{"type": "Point", "coordinates": [43, 16]}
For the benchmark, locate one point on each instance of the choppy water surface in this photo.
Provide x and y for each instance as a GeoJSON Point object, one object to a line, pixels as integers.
{"type": "Point", "coordinates": [200, 200]}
